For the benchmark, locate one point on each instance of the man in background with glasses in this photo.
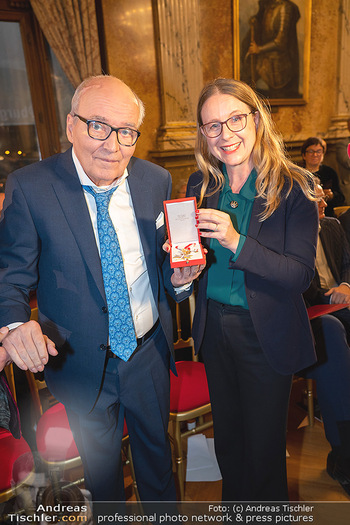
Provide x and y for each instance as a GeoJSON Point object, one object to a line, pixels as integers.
{"type": "Point", "coordinates": [85, 228]}
{"type": "Point", "coordinates": [332, 336]}
{"type": "Point", "coordinates": [312, 152]}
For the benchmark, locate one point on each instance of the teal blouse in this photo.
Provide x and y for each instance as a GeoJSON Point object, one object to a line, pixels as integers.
{"type": "Point", "coordinates": [226, 285]}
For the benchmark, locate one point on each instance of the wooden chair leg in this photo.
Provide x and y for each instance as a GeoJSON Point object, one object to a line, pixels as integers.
{"type": "Point", "coordinates": [179, 465]}
{"type": "Point", "coordinates": [310, 402]}
{"type": "Point", "coordinates": [131, 464]}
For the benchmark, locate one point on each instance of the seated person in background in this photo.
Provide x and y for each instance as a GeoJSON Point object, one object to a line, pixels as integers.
{"type": "Point", "coordinates": [313, 152]}
{"type": "Point", "coordinates": [332, 370]}
{"type": "Point", "coordinates": [344, 163]}
{"type": "Point", "coordinates": [332, 375]}
{"type": "Point", "coordinates": [344, 220]}
{"type": "Point", "coordinates": [332, 274]}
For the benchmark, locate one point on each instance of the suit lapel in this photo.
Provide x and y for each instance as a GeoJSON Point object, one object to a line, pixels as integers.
{"type": "Point", "coordinates": [143, 203]}
{"type": "Point", "coordinates": [71, 197]}
{"type": "Point", "coordinates": [327, 243]}
{"type": "Point", "coordinates": [141, 195]}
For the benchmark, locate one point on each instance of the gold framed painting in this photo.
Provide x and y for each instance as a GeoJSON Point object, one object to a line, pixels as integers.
{"type": "Point", "coordinates": [271, 42]}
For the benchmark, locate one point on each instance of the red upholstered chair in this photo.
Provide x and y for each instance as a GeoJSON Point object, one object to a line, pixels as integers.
{"type": "Point", "coordinates": [54, 438]}
{"type": "Point", "coordinates": [189, 400]}
{"type": "Point", "coordinates": [17, 465]}
{"type": "Point", "coordinates": [55, 442]}
{"type": "Point", "coordinates": [16, 458]}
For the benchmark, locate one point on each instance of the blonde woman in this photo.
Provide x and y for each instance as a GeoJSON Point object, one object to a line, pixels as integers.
{"type": "Point", "coordinates": [258, 218]}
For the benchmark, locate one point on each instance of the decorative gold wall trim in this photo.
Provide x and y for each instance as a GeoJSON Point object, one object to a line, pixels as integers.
{"type": "Point", "coordinates": [180, 68]}
{"type": "Point", "coordinates": [338, 128]}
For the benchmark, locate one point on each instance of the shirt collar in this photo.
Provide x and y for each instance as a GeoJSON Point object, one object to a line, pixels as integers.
{"type": "Point", "coordinates": [248, 190]}
{"type": "Point", "coordinates": [85, 181]}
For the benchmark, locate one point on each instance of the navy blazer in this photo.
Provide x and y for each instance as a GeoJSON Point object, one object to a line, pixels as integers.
{"type": "Point", "coordinates": [48, 244]}
{"type": "Point", "coordinates": [337, 251]}
{"type": "Point", "coordinates": [278, 259]}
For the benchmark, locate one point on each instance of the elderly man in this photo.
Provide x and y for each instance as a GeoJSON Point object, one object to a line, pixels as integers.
{"type": "Point", "coordinates": [85, 228]}
{"type": "Point", "coordinates": [332, 370]}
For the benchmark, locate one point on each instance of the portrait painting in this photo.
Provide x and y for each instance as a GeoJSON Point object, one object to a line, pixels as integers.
{"type": "Point", "coordinates": [272, 48]}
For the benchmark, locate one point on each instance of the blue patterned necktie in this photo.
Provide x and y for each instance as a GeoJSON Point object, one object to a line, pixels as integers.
{"type": "Point", "coordinates": [122, 337]}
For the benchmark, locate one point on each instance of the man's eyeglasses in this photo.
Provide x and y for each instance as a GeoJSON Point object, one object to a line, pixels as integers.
{"type": "Point", "coordinates": [314, 153]}
{"type": "Point", "coordinates": [234, 123]}
{"type": "Point", "coordinates": [101, 131]}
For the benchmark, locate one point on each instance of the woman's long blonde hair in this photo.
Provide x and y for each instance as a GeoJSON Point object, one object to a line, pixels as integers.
{"type": "Point", "coordinates": [269, 157]}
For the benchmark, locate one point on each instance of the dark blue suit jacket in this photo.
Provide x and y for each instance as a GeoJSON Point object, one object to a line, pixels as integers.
{"type": "Point", "coordinates": [48, 244]}
{"type": "Point", "coordinates": [337, 251]}
{"type": "Point", "coordinates": [278, 259]}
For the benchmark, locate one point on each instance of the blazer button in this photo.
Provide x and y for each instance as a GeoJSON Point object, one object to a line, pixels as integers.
{"type": "Point", "coordinates": [102, 347]}
{"type": "Point", "coordinates": [104, 309]}
{"type": "Point", "coordinates": [253, 294]}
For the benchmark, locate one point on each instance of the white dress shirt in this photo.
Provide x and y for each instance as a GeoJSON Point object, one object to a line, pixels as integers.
{"type": "Point", "coordinates": [121, 211]}
{"type": "Point", "coordinates": [327, 280]}
{"type": "Point", "coordinates": [326, 277]}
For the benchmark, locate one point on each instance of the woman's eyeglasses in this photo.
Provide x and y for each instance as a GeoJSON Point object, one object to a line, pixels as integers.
{"type": "Point", "coordinates": [234, 123]}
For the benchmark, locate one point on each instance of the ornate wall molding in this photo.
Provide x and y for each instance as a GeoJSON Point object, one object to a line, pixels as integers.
{"type": "Point", "coordinates": [178, 44]}
{"type": "Point", "coordinates": [338, 127]}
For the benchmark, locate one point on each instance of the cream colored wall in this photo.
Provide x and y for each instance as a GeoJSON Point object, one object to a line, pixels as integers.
{"type": "Point", "coordinates": [131, 55]}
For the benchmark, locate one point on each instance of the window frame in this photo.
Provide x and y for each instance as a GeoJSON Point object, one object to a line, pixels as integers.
{"type": "Point", "coordinates": [37, 59]}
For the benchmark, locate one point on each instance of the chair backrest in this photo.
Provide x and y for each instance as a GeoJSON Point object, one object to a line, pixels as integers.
{"type": "Point", "coordinates": [10, 376]}
{"type": "Point", "coordinates": [35, 386]}
{"type": "Point", "coordinates": [181, 342]}
{"type": "Point", "coordinates": [35, 383]}
{"type": "Point", "coordinates": [339, 210]}
{"type": "Point", "coordinates": [41, 396]}
{"type": "Point", "coordinates": [34, 314]}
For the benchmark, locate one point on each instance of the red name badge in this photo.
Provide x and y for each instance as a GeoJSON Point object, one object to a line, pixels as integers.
{"type": "Point", "coordinates": [184, 239]}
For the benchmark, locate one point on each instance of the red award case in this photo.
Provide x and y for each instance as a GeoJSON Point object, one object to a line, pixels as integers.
{"type": "Point", "coordinates": [184, 239]}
